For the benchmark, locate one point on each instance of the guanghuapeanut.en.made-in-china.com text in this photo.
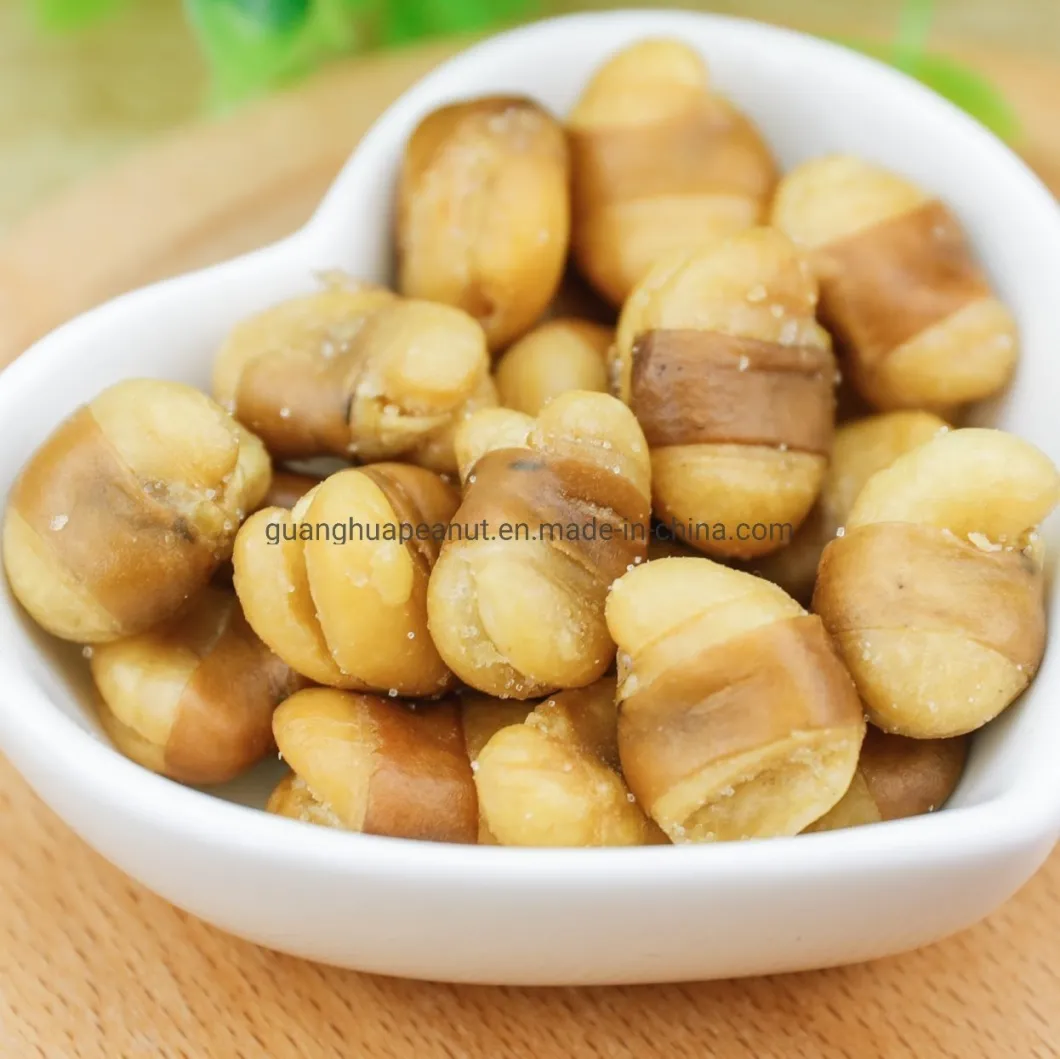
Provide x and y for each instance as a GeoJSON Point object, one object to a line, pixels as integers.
{"type": "Point", "coordinates": [590, 530]}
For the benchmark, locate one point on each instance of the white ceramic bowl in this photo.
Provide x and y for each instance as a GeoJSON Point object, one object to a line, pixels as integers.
{"type": "Point", "coordinates": [557, 916]}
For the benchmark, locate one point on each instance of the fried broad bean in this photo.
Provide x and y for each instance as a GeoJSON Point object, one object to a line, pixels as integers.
{"type": "Point", "coordinates": [352, 371]}
{"type": "Point", "coordinates": [554, 780]}
{"type": "Point", "coordinates": [193, 698]}
{"type": "Point", "coordinates": [126, 510]}
{"type": "Point", "coordinates": [736, 717]}
{"type": "Point", "coordinates": [483, 212]}
{"type": "Point", "coordinates": [661, 163]}
{"type": "Point", "coordinates": [860, 449]}
{"type": "Point", "coordinates": [897, 777]}
{"type": "Point", "coordinates": [900, 288]}
{"type": "Point", "coordinates": [482, 716]}
{"type": "Point", "coordinates": [721, 359]}
{"type": "Point", "coordinates": [374, 765]}
{"type": "Point", "coordinates": [337, 586]}
{"type": "Point", "coordinates": [559, 356]}
{"type": "Point", "coordinates": [934, 593]}
{"type": "Point", "coordinates": [555, 508]}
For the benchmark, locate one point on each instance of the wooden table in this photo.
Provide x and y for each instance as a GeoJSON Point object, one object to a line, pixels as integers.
{"type": "Point", "coordinates": [92, 966]}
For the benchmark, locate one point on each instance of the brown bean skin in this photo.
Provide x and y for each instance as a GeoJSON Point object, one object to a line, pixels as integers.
{"type": "Point", "coordinates": [193, 698]}
{"type": "Point", "coordinates": [934, 592]}
{"type": "Point", "coordinates": [909, 306]}
{"type": "Point", "coordinates": [128, 508]}
{"type": "Point", "coordinates": [719, 354]}
{"type": "Point", "coordinates": [375, 765]}
{"type": "Point", "coordinates": [353, 371]}
{"type": "Point", "coordinates": [522, 615]}
{"type": "Point", "coordinates": [661, 165]}
{"type": "Point", "coordinates": [736, 716]}
{"type": "Point", "coordinates": [897, 777]}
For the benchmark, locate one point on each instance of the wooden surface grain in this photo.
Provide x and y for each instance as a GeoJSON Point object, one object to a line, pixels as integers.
{"type": "Point", "coordinates": [92, 966]}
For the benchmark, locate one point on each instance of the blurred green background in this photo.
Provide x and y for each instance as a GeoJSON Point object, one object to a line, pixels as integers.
{"type": "Point", "coordinates": [82, 81]}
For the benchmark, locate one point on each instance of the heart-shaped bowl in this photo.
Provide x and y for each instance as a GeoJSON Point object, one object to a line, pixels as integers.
{"type": "Point", "coordinates": [556, 916]}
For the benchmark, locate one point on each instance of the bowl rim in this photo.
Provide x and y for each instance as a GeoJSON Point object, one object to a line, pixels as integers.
{"type": "Point", "coordinates": [1025, 812]}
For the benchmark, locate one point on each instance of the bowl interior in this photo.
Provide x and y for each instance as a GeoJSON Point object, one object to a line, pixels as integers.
{"type": "Point", "coordinates": [808, 97]}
